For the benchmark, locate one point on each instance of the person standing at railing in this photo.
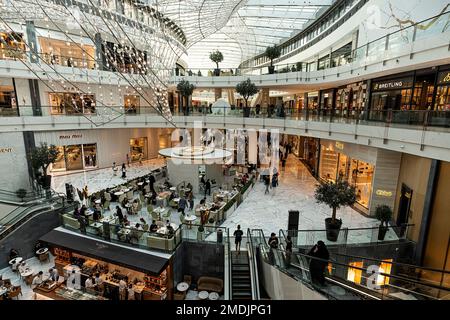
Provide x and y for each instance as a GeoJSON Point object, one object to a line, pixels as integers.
{"type": "Point", "coordinates": [318, 263]}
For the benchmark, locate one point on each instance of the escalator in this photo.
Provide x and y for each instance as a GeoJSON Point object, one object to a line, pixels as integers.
{"type": "Point", "coordinates": [343, 281]}
{"type": "Point", "coordinates": [241, 278]}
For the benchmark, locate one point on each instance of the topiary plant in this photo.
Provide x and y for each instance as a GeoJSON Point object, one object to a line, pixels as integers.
{"type": "Point", "coordinates": [383, 213]}
{"type": "Point", "coordinates": [216, 57]}
{"type": "Point", "coordinates": [246, 89]}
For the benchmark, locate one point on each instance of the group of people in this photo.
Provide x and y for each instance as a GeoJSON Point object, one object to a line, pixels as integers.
{"type": "Point", "coordinates": [270, 182]}
{"type": "Point", "coordinates": [123, 169]}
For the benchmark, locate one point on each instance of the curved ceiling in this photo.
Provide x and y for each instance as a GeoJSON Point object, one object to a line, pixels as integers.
{"type": "Point", "coordinates": [250, 28]}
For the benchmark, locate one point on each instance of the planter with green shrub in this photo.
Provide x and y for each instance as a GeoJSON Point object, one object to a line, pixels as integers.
{"type": "Point", "coordinates": [272, 53]}
{"type": "Point", "coordinates": [201, 233]}
{"type": "Point", "coordinates": [335, 195]}
{"type": "Point", "coordinates": [384, 214]}
{"type": "Point", "coordinates": [41, 158]}
{"type": "Point", "coordinates": [246, 89]}
{"type": "Point", "coordinates": [185, 89]}
{"type": "Point", "coordinates": [216, 57]}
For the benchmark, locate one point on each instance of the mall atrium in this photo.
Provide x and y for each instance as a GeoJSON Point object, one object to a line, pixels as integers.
{"type": "Point", "coordinates": [224, 150]}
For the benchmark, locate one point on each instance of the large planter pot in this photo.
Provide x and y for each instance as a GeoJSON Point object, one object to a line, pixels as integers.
{"type": "Point", "coordinates": [332, 229]}
{"type": "Point", "coordinates": [382, 232]}
{"type": "Point", "coordinates": [271, 69]}
{"type": "Point", "coordinates": [217, 72]}
{"type": "Point", "coordinates": [200, 235]}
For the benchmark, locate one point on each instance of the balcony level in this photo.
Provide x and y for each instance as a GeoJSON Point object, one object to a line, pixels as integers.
{"type": "Point", "coordinates": [391, 132]}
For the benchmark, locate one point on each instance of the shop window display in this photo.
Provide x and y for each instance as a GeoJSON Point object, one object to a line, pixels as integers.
{"type": "Point", "coordinates": [76, 157]}
{"type": "Point", "coordinates": [358, 173]}
{"type": "Point", "coordinates": [8, 103]}
{"type": "Point", "coordinates": [12, 46]}
{"type": "Point", "coordinates": [67, 54]}
{"type": "Point", "coordinates": [138, 149]}
{"type": "Point", "coordinates": [361, 178]}
{"type": "Point", "coordinates": [132, 104]}
{"type": "Point", "coordinates": [72, 103]}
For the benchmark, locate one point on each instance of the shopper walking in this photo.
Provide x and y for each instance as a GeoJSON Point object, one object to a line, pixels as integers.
{"type": "Point", "coordinates": [208, 187]}
{"type": "Point", "coordinates": [266, 179]}
{"type": "Point", "coordinates": [318, 263]}
{"type": "Point", "coordinates": [124, 171]}
{"type": "Point", "coordinates": [238, 238]}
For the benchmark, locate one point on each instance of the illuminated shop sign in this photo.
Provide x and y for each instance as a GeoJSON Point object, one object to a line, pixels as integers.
{"type": "Point", "coordinates": [444, 77]}
{"type": "Point", "coordinates": [392, 84]}
{"type": "Point", "coordinates": [383, 193]}
{"type": "Point", "coordinates": [339, 145]}
{"type": "Point", "coordinates": [6, 150]}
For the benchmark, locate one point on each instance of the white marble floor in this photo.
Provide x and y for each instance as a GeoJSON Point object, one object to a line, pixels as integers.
{"type": "Point", "coordinates": [36, 266]}
{"type": "Point", "coordinates": [295, 191]}
{"type": "Point", "coordinates": [100, 179]}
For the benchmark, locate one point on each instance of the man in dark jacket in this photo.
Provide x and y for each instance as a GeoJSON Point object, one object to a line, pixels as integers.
{"type": "Point", "coordinates": [318, 263]}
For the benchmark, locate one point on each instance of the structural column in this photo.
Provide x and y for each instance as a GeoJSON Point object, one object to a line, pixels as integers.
{"type": "Point", "coordinates": [265, 98]}
{"type": "Point", "coordinates": [217, 93]}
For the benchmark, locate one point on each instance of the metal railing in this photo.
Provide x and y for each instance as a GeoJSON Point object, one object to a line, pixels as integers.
{"type": "Point", "coordinates": [51, 200]}
{"type": "Point", "coordinates": [358, 282]}
{"type": "Point", "coordinates": [253, 264]}
{"type": "Point", "coordinates": [346, 236]}
{"type": "Point", "coordinates": [372, 51]}
{"type": "Point", "coordinates": [123, 234]}
{"type": "Point", "coordinates": [419, 119]}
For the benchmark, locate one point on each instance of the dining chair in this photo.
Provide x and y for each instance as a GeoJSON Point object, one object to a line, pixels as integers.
{"type": "Point", "coordinates": [15, 291]}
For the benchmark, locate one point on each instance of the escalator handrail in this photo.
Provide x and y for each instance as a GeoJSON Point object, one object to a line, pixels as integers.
{"type": "Point", "coordinates": [253, 268]}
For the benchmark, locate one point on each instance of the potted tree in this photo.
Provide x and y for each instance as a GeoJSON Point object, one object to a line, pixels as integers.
{"type": "Point", "coordinates": [201, 233]}
{"type": "Point", "coordinates": [21, 193]}
{"type": "Point", "coordinates": [384, 214]}
{"type": "Point", "coordinates": [41, 158]}
{"type": "Point", "coordinates": [272, 53]}
{"type": "Point", "coordinates": [335, 195]}
{"type": "Point", "coordinates": [246, 89]}
{"type": "Point", "coordinates": [216, 57]}
{"type": "Point", "coordinates": [185, 89]}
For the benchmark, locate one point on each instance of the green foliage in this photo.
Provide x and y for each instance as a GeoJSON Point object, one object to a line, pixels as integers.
{"type": "Point", "coordinates": [335, 195]}
{"type": "Point", "coordinates": [199, 73]}
{"type": "Point", "coordinates": [216, 56]}
{"type": "Point", "coordinates": [299, 66]}
{"type": "Point", "coordinates": [383, 213]}
{"type": "Point", "coordinates": [211, 220]}
{"type": "Point", "coordinates": [21, 193]}
{"type": "Point", "coordinates": [201, 228]}
{"type": "Point", "coordinates": [185, 88]}
{"type": "Point", "coordinates": [273, 53]}
{"type": "Point", "coordinates": [246, 89]}
{"type": "Point", "coordinates": [43, 156]}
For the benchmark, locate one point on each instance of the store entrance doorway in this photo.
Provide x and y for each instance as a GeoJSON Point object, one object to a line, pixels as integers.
{"type": "Point", "coordinates": [403, 208]}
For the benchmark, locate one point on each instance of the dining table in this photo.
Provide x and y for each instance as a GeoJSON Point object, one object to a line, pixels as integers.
{"type": "Point", "coordinates": [163, 230]}
{"type": "Point", "coordinates": [42, 251]}
{"type": "Point", "coordinates": [182, 286]}
{"type": "Point", "coordinates": [160, 211]}
{"type": "Point", "coordinates": [15, 260]}
{"type": "Point", "coordinates": [189, 218]}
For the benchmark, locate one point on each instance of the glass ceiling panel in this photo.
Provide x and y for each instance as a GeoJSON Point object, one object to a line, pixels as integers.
{"type": "Point", "coordinates": [250, 28]}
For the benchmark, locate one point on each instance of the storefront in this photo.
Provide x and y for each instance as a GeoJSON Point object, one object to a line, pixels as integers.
{"type": "Point", "coordinates": [138, 149]}
{"type": "Point", "coordinates": [390, 94]}
{"type": "Point", "coordinates": [12, 46]}
{"type": "Point", "coordinates": [442, 100]}
{"type": "Point", "coordinates": [71, 103]}
{"type": "Point", "coordinates": [132, 103]}
{"type": "Point", "coordinates": [326, 102]}
{"type": "Point", "coordinates": [308, 149]}
{"type": "Point", "coordinates": [350, 99]}
{"type": "Point", "coordinates": [76, 157]}
{"type": "Point", "coordinates": [357, 164]}
{"type": "Point", "coordinates": [8, 100]}
{"type": "Point", "coordinates": [150, 276]}
{"type": "Point", "coordinates": [68, 54]}
{"type": "Point", "coordinates": [413, 92]}
{"type": "Point", "coordinates": [99, 148]}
